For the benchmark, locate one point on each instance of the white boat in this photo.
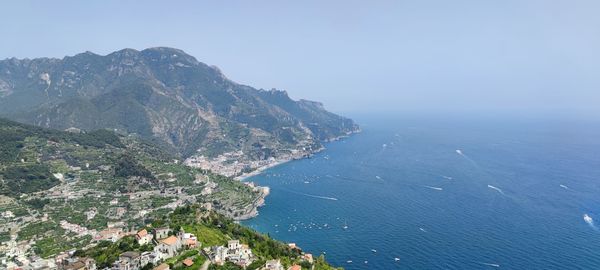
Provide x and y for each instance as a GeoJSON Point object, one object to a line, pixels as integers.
{"type": "Point", "coordinates": [374, 250]}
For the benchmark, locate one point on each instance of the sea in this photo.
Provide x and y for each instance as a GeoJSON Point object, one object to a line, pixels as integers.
{"type": "Point", "coordinates": [444, 192]}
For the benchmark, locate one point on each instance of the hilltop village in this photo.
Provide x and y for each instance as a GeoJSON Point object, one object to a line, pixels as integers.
{"type": "Point", "coordinates": [192, 237]}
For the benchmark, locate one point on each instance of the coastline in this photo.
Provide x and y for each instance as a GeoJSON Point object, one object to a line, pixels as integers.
{"type": "Point", "coordinates": [261, 200]}
{"type": "Point", "coordinates": [276, 163]}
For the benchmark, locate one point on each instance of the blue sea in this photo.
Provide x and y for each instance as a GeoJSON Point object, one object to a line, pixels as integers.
{"type": "Point", "coordinates": [442, 193]}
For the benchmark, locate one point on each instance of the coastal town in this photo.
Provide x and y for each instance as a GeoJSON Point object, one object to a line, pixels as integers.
{"type": "Point", "coordinates": [100, 200]}
{"type": "Point", "coordinates": [87, 208]}
{"type": "Point", "coordinates": [236, 164]}
{"type": "Point", "coordinates": [160, 248]}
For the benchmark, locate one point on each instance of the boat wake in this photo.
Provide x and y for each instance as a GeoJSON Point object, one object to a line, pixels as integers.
{"type": "Point", "coordinates": [589, 220]}
{"type": "Point", "coordinates": [318, 197]}
{"type": "Point", "coordinates": [311, 195]}
{"type": "Point", "coordinates": [490, 264]}
{"type": "Point", "coordinates": [496, 189]}
{"type": "Point", "coordinates": [434, 188]}
{"type": "Point", "coordinates": [460, 152]}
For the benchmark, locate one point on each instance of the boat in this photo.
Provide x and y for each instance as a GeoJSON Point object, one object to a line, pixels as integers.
{"type": "Point", "coordinates": [345, 225]}
{"type": "Point", "coordinates": [374, 250]}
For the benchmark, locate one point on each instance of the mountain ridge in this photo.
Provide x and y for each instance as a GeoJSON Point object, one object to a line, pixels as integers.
{"type": "Point", "coordinates": [165, 94]}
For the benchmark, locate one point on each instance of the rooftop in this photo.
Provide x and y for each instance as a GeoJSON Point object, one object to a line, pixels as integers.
{"type": "Point", "coordinates": [130, 254]}
{"type": "Point", "coordinates": [163, 266]}
{"type": "Point", "coordinates": [171, 240]}
{"type": "Point", "coordinates": [188, 262]}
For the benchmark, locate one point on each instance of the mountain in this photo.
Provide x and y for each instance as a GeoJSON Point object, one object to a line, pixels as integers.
{"type": "Point", "coordinates": [36, 162]}
{"type": "Point", "coordinates": [165, 95]}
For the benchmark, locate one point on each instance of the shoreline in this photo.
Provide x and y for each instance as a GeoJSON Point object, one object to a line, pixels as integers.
{"type": "Point", "coordinates": [261, 200]}
{"type": "Point", "coordinates": [276, 163]}
{"type": "Point", "coordinates": [259, 170]}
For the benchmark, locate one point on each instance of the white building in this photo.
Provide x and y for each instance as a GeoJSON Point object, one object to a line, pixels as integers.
{"type": "Point", "coordinates": [143, 237]}
{"type": "Point", "coordinates": [129, 260]}
{"type": "Point", "coordinates": [168, 247]}
{"type": "Point", "coordinates": [161, 233]}
{"type": "Point", "coordinates": [273, 265]}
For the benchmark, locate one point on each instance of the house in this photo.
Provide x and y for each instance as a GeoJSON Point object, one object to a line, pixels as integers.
{"type": "Point", "coordinates": [161, 233]}
{"type": "Point", "coordinates": [190, 240]}
{"type": "Point", "coordinates": [308, 257]}
{"type": "Point", "coordinates": [148, 257]}
{"type": "Point", "coordinates": [129, 260]}
{"type": "Point", "coordinates": [191, 243]}
{"type": "Point", "coordinates": [273, 265]}
{"type": "Point", "coordinates": [233, 244]}
{"type": "Point", "coordinates": [84, 263]}
{"type": "Point", "coordinates": [168, 247]}
{"type": "Point", "coordinates": [188, 262]}
{"type": "Point", "coordinates": [163, 266]}
{"type": "Point", "coordinates": [295, 267]}
{"type": "Point", "coordinates": [110, 234]}
{"type": "Point", "coordinates": [143, 237]}
{"type": "Point", "coordinates": [219, 254]}
{"type": "Point", "coordinates": [235, 252]}
{"type": "Point", "coordinates": [75, 266]}
{"type": "Point", "coordinates": [293, 246]}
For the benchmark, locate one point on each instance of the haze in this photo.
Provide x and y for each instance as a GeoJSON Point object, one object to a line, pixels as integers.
{"type": "Point", "coordinates": [510, 56]}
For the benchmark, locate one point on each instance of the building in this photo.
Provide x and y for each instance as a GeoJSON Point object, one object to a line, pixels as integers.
{"type": "Point", "coordinates": [233, 244]}
{"type": "Point", "coordinates": [188, 262]}
{"type": "Point", "coordinates": [163, 266]}
{"type": "Point", "coordinates": [219, 254]}
{"type": "Point", "coordinates": [129, 260]}
{"type": "Point", "coordinates": [308, 257]}
{"type": "Point", "coordinates": [295, 267]}
{"type": "Point", "coordinates": [234, 252]}
{"type": "Point", "coordinates": [190, 240]}
{"type": "Point", "coordinates": [273, 265]}
{"type": "Point", "coordinates": [143, 237]}
{"type": "Point", "coordinates": [161, 233]}
{"type": "Point", "coordinates": [148, 257]}
{"type": "Point", "coordinates": [84, 263]}
{"type": "Point", "coordinates": [168, 247]}
{"type": "Point", "coordinates": [110, 234]}
{"type": "Point", "coordinates": [75, 266]}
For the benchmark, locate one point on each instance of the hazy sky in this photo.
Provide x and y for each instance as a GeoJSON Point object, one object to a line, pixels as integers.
{"type": "Point", "coordinates": [439, 56]}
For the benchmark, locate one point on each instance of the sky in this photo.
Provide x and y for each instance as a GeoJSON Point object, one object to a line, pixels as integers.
{"type": "Point", "coordinates": [482, 56]}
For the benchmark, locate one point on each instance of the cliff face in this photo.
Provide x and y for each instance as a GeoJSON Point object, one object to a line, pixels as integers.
{"type": "Point", "coordinates": [166, 95]}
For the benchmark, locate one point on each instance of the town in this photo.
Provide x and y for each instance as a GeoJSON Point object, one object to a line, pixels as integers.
{"type": "Point", "coordinates": [164, 248]}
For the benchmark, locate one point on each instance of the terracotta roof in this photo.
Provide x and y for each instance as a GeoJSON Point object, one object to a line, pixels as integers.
{"type": "Point", "coordinates": [295, 267]}
{"type": "Point", "coordinates": [188, 262]}
{"type": "Point", "coordinates": [142, 233]}
{"type": "Point", "coordinates": [171, 240]}
{"type": "Point", "coordinates": [191, 242]}
{"type": "Point", "coordinates": [163, 266]}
